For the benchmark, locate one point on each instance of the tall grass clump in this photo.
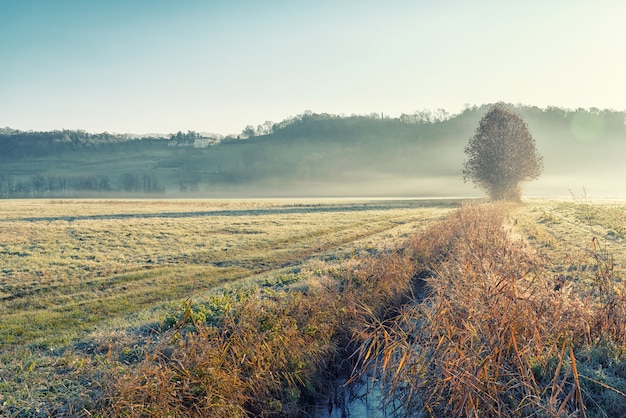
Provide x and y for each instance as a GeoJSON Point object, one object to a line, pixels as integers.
{"type": "Point", "coordinates": [264, 351]}
{"type": "Point", "coordinates": [495, 334]}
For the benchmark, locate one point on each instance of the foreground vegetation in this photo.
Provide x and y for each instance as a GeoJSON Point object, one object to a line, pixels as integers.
{"type": "Point", "coordinates": [493, 311]}
{"type": "Point", "coordinates": [512, 325]}
{"type": "Point", "coordinates": [84, 281]}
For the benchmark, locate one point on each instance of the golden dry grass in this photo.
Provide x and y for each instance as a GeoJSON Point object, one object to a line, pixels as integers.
{"type": "Point", "coordinates": [501, 331]}
{"type": "Point", "coordinates": [84, 278]}
{"type": "Point", "coordinates": [269, 352]}
{"type": "Point", "coordinates": [253, 308]}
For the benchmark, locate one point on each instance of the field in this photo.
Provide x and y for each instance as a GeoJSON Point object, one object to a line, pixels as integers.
{"type": "Point", "coordinates": [92, 289]}
{"type": "Point", "coordinates": [83, 274]}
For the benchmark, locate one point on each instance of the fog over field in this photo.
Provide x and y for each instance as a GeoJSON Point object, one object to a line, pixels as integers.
{"type": "Point", "coordinates": [313, 155]}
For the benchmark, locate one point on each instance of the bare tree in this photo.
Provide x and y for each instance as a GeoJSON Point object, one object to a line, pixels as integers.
{"type": "Point", "coordinates": [502, 154]}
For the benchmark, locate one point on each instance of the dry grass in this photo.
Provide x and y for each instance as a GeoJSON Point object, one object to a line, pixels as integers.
{"type": "Point", "coordinates": [261, 352]}
{"type": "Point", "coordinates": [493, 311]}
{"type": "Point", "coordinates": [87, 280]}
{"type": "Point", "coordinates": [498, 333]}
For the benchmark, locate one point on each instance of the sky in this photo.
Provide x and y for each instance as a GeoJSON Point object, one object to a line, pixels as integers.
{"type": "Point", "coordinates": [160, 66]}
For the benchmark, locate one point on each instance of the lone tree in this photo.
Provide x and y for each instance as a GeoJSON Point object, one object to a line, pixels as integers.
{"type": "Point", "coordinates": [502, 154]}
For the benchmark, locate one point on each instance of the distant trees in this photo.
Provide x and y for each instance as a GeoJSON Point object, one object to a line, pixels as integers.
{"type": "Point", "coordinates": [502, 154]}
{"type": "Point", "coordinates": [6, 185]}
{"type": "Point", "coordinates": [267, 128]}
{"type": "Point", "coordinates": [188, 138]}
{"type": "Point", "coordinates": [39, 185]}
{"type": "Point", "coordinates": [142, 183]}
{"type": "Point", "coordinates": [422, 117]}
{"type": "Point", "coordinates": [16, 144]}
{"type": "Point", "coordinates": [248, 132]}
{"type": "Point", "coordinates": [307, 149]}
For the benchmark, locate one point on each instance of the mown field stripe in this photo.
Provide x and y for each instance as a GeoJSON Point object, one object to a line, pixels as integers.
{"type": "Point", "coordinates": [68, 310]}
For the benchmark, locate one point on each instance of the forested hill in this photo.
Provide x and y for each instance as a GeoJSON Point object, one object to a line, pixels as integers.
{"type": "Point", "coordinates": [310, 155]}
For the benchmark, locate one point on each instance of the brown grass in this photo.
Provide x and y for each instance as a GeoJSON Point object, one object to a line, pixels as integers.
{"type": "Point", "coordinates": [495, 311]}
{"type": "Point", "coordinates": [465, 319]}
{"type": "Point", "coordinates": [269, 352]}
{"type": "Point", "coordinates": [82, 282]}
{"type": "Point", "coordinates": [496, 336]}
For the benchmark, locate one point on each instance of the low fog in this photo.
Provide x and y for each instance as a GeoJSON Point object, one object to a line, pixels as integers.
{"type": "Point", "coordinates": [313, 155]}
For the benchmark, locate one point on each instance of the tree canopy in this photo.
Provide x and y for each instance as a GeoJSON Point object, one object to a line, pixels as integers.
{"type": "Point", "coordinates": [502, 154]}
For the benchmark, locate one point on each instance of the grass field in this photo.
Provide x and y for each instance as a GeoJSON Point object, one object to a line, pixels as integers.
{"type": "Point", "coordinates": [78, 276]}
{"type": "Point", "coordinates": [87, 284]}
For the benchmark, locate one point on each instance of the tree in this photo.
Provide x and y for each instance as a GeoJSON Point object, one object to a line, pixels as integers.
{"type": "Point", "coordinates": [248, 132]}
{"type": "Point", "coordinates": [502, 154]}
{"type": "Point", "coordinates": [38, 184]}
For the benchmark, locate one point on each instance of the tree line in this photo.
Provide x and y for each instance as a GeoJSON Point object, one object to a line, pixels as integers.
{"type": "Point", "coordinates": [303, 153]}
{"type": "Point", "coordinates": [39, 185]}
{"type": "Point", "coordinates": [16, 144]}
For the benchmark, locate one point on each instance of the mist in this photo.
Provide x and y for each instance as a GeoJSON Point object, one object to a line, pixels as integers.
{"type": "Point", "coordinates": [313, 155]}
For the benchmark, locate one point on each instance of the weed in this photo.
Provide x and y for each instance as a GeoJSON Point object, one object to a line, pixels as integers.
{"type": "Point", "coordinates": [260, 351]}
{"type": "Point", "coordinates": [493, 337]}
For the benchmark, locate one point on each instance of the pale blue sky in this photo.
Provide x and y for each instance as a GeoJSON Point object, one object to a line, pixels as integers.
{"type": "Point", "coordinates": [161, 66]}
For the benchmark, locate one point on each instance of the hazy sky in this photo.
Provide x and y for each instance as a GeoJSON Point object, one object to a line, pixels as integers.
{"type": "Point", "coordinates": [162, 65]}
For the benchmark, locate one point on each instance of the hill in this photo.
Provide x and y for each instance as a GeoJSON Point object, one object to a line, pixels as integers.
{"type": "Point", "coordinates": [310, 155]}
